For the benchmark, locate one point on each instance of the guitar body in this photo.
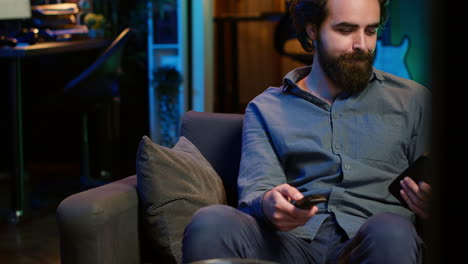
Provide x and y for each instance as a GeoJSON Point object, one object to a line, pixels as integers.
{"type": "Point", "coordinates": [391, 58]}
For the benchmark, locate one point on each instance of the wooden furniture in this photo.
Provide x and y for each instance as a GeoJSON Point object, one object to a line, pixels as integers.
{"type": "Point", "coordinates": [14, 57]}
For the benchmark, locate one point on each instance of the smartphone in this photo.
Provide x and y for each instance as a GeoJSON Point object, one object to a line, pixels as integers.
{"type": "Point", "coordinates": [417, 171]}
{"type": "Point", "coordinates": [308, 201]}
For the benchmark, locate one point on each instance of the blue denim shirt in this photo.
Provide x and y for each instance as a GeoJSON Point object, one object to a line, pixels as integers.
{"type": "Point", "coordinates": [350, 151]}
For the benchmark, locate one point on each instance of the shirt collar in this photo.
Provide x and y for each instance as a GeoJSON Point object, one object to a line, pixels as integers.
{"type": "Point", "coordinates": [294, 76]}
{"type": "Point", "coordinates": [376, 74]}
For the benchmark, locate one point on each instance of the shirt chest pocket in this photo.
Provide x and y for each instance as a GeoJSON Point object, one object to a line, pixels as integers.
{"type": "Point", "coordinates": [381, 140]}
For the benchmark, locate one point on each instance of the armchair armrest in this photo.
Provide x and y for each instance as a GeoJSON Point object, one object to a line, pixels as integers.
{"type": "Point", "coordinates": [100, 225]}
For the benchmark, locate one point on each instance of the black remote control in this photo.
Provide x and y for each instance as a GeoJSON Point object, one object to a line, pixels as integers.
{"type": "Point", "coordinates": [310, 200]}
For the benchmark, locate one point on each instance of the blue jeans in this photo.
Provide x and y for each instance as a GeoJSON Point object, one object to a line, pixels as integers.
{"type": "Point", "coordinates": [220, 231]}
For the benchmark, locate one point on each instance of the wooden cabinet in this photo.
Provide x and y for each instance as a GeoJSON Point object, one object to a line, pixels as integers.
{"type": "Point", "coordinates": [246, 60]}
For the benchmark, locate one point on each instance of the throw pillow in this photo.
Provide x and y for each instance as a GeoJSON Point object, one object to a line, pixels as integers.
{"type": "Point", "coordinates": [172, 185]}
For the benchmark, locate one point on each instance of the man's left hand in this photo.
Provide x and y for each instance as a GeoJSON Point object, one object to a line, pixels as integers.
{"type": "Point", "coordinates": [417, 196]}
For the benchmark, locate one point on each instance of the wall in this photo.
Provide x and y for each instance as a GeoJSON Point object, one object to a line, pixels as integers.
{"type": "Point", "coordinates": [412, 18]}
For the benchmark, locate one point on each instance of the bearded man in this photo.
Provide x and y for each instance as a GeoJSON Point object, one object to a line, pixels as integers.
{"type": "Point", "coordinates": [338, 128]}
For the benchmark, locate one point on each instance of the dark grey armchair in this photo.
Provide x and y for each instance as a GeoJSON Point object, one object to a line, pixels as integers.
{"type": "Point", "coordinates": [102, 225]}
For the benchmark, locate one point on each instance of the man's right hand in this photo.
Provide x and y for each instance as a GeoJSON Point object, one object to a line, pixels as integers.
{"type": "Point", "coordinates": [279, 210]}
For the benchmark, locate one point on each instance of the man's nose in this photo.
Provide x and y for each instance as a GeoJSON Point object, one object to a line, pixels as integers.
{"type": "Point", "coordinates": [359, 42]}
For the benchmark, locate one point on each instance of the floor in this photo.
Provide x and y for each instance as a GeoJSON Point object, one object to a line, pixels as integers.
{"type": "Point", "coordinates": [34, 239]}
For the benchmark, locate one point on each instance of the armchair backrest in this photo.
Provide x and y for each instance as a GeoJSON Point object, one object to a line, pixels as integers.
{"type": "Point", "coordinates": [218, 136]}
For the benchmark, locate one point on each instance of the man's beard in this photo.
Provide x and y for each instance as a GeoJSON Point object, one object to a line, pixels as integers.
{"type": "Point", "coordinates": [350, 72]}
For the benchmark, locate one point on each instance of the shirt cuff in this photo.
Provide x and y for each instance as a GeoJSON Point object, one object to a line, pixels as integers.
{"type": "Point", "coordinates": [254, 207]}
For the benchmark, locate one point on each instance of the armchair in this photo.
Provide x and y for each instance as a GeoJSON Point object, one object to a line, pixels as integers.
{"type": "Point", "coordinates": [102, 224]}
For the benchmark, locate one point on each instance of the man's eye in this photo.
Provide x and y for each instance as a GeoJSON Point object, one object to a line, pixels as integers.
{"type": "Point", "coordinates": [371, 31]}
{"type": "Point", "coordinates": [345, 30]}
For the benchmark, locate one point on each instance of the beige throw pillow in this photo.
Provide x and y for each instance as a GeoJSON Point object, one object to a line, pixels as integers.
{"type": "Point", "coordinates": [172, 185]}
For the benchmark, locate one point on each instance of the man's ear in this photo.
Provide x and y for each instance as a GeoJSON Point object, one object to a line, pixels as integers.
{"type": "Point", "coordinates": [311, 30]}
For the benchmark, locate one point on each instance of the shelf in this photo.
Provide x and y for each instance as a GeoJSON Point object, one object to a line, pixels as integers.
{"type": "Point", "coordinates": [157, 46]}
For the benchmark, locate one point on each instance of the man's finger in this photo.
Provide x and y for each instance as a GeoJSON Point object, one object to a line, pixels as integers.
{"type": "Point", "coordinates": [425, 189]}
{"type": "Point", "coordinates": [290, 192]}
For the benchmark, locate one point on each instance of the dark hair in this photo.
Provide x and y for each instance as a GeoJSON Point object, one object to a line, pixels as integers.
{"type": "Point", "coordinates": [304, 12]}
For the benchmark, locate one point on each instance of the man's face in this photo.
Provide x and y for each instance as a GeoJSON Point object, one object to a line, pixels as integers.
{"type": "Point", "coordinates": [346, 42]}
{"type": "Point", "coordinates": [350, 71]}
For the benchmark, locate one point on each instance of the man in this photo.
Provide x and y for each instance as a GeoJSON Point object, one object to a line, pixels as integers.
{"type": "Point", "coordinates": [339, 128]}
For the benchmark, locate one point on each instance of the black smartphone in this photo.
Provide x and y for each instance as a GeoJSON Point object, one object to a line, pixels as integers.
{"type": "Point", "coordinates": [417, 171]}
{"type": "Point", "coordinates": [308, 201]}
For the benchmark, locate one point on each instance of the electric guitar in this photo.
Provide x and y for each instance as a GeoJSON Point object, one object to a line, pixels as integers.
{"type": "Point", "coordinates": [391, 58]}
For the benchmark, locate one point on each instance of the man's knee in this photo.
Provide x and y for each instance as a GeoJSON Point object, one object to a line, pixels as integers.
{"type": "Point", "coordinates": [212, 231]}
{"type": "Point", "coordinates": [389, 228]}
{"type": "Point", "coordinates": [212, 219]}
{"type": "Point", "coordinates": [387, 238]}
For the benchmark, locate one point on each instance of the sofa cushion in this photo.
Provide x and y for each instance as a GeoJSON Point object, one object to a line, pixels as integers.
{"type": "Point", "coordinates": [172, 185]}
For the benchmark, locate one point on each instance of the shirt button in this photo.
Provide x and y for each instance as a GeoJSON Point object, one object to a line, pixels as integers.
{"type": "Point", "coordinates": [347, 166]}
{"type": "Point", "coordinates": [336, 116]}
{"type": "Point", "coordinates": [337, 146]}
